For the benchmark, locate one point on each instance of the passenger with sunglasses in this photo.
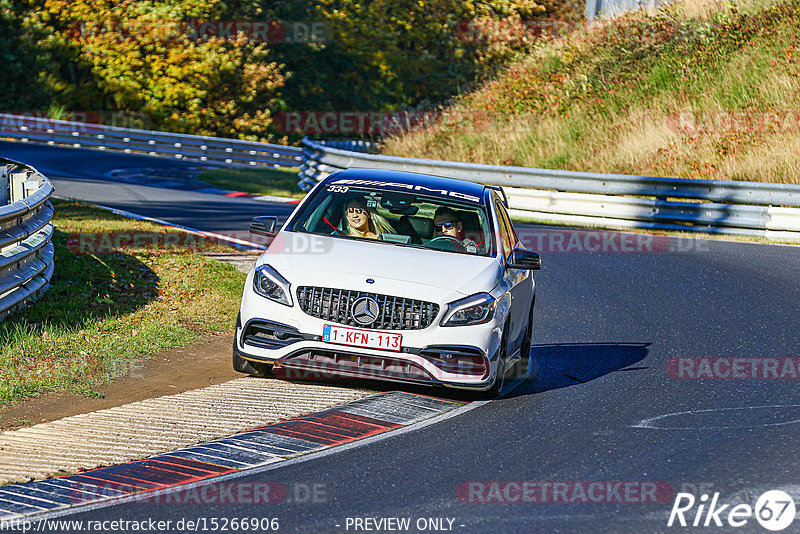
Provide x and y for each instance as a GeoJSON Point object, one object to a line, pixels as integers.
{"type": "Point", "coordinates": [361, 221]}
{"type": "Point", "coordinates": [446, 222]}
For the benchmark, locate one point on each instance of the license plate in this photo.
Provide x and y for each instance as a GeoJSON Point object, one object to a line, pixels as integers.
{"type": "Point", "coordinates": [356, 337]}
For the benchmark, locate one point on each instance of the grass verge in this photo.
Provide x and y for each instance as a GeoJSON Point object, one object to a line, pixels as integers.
{"type": "Point", "coordinates": [118, 294]}
{"type": "Point", "coordinates": [277, 181]}
{"type": "Point", "coordinates": [700, 89]}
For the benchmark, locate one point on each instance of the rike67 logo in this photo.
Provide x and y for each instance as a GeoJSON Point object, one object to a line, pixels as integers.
{"type": "Point", "coordinates": [774, 510]}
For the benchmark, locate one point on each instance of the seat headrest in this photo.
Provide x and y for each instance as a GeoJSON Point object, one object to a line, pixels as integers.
{"type": "Point", "coordinates": [470, 220]}
{"type": "Point", "coordinates": [423, 226]}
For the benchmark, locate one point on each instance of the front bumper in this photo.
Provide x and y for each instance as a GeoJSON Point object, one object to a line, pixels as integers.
{"type": "Point", "coordinates": [291, 340]}
{"type": "Point", "coordinates": [450, 362]}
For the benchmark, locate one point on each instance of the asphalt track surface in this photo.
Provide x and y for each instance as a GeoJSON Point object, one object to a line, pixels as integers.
{"type": "Point", "coordinates": [82, 174]}
{"type": "Point", "coordinates": [600, 406]}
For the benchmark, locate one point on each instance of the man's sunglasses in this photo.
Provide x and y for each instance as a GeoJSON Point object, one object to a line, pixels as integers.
{"type": "Point", "coordinates": [444, 226]}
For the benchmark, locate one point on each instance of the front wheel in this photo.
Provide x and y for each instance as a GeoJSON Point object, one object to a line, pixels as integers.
{"type": "Point", "coordinates": [527, 342]}
{"type": "Point", "coordinates": [500, 378]}
{"type": "Point", "coordinates": [256, 369]}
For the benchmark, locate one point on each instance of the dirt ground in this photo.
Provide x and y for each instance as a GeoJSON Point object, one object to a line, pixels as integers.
{"type": "Point", "coordinates": [206, 362]}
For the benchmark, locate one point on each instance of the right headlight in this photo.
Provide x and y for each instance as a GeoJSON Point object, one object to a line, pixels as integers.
{"type": "Point", "coordinates": [475, 309]}
{"type": "Point", "coordinates": [268, 283]}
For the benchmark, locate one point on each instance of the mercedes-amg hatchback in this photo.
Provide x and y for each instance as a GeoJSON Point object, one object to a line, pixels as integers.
{"type": "Point", "coordinates": [392, 276]}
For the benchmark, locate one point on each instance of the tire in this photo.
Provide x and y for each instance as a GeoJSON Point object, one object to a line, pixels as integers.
{"type": "Point", "coordinates": [500, 377]}
{"type": "Point", "coordinates": [256, 369]}
{"type": "Point", "coordinates": [527, 342]}
{"type": "Point", "coordinates": [497, 385]}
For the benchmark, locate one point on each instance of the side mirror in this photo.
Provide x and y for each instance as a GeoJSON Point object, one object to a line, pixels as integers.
{"type": "Point", "coordinates": [524, 259]}
{"type": "Point", "coordinates": [264, 225]}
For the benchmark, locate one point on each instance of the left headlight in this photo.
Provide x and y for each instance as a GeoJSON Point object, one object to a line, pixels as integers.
{"type": "Point", "coordinates": [476, 309]}
{"type": "Point", "coordinates": [268, 283]}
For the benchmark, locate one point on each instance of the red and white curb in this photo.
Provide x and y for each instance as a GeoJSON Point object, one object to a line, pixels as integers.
{"type": "Point", "coordinates": [355, 420]}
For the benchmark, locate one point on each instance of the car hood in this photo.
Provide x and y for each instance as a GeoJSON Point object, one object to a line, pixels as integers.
{"type": "Point", "coordinates": [342, 263]}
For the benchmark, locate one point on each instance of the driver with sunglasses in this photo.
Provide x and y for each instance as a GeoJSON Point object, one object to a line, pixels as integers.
{"type": "Point", "coordinates": [446, 222]}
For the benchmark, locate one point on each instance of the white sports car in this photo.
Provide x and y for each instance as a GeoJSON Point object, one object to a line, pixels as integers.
{"type": "Point", "coordinates": [391, 276]}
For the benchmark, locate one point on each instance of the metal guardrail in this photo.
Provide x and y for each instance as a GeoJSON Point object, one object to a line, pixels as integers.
{"type": "Point", "coordinates": [180, 146]}
{"type": "Point", "coordinates": [615, 8]}
{"type": "Point", "coordinates": [595, 199]}
{"type": "Point", "coordinates": [26, 231]}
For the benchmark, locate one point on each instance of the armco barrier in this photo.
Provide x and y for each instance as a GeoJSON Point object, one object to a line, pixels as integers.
{"type": "Point", "coordinates": [595, 199]}
{"type": "Point", "coordinates": [180, 146]}
{"type": "Point", "coordinates": [615, 8]}
{"type": "Point", "coordinates": [26, 231]}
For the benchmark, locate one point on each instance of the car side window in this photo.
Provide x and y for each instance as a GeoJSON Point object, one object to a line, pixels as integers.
{"type": "Point", "coordinates": [512, 234]}
{"type": "Point", "coordinates": [506, 230]}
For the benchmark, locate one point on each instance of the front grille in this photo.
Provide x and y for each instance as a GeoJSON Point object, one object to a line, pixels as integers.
{"type": "Point", "coordinates": [396, 313]}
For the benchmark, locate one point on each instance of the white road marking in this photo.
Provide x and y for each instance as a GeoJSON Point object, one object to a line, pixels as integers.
{"type": "Point", "coordinates": [651, 421]}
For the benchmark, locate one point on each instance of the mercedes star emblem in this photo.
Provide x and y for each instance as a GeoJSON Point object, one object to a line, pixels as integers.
{"type": "Point", "coordinates": [365, 310]}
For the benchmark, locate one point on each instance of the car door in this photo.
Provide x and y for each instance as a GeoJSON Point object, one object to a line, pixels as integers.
{"type": "Point", "coordinates": [517, 280]}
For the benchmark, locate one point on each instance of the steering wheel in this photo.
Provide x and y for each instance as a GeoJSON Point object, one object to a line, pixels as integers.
{"type": "Point", "coordinates": [446, 242]}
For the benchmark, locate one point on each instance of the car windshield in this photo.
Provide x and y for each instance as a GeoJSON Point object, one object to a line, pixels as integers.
{"type": "Point", "coordinates": [399, 218]}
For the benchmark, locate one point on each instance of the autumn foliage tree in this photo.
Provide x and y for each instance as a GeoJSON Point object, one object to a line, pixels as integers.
{"type": "Point", "coordinates": [20, 87]}
{"type": "Point", "coordinates": [147, 58]}
{"type": "Point", "coordinates": [391, 54]}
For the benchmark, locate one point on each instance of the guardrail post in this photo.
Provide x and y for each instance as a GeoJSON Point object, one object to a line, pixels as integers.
{"type": "Point", "coordinates": [30, 186]}
{"type": "Point", "coordinates": [4, 185]}
{"type": "Point", "coordinates": [5, 198]}
{"type": "Point", "coordinates": [592, 9]}
{"type": "Point", "coordinates": [17, 187]}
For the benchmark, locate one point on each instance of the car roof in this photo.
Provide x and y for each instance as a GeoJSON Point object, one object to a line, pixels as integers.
{"type": "Point", "coordinates": [463, 187]}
